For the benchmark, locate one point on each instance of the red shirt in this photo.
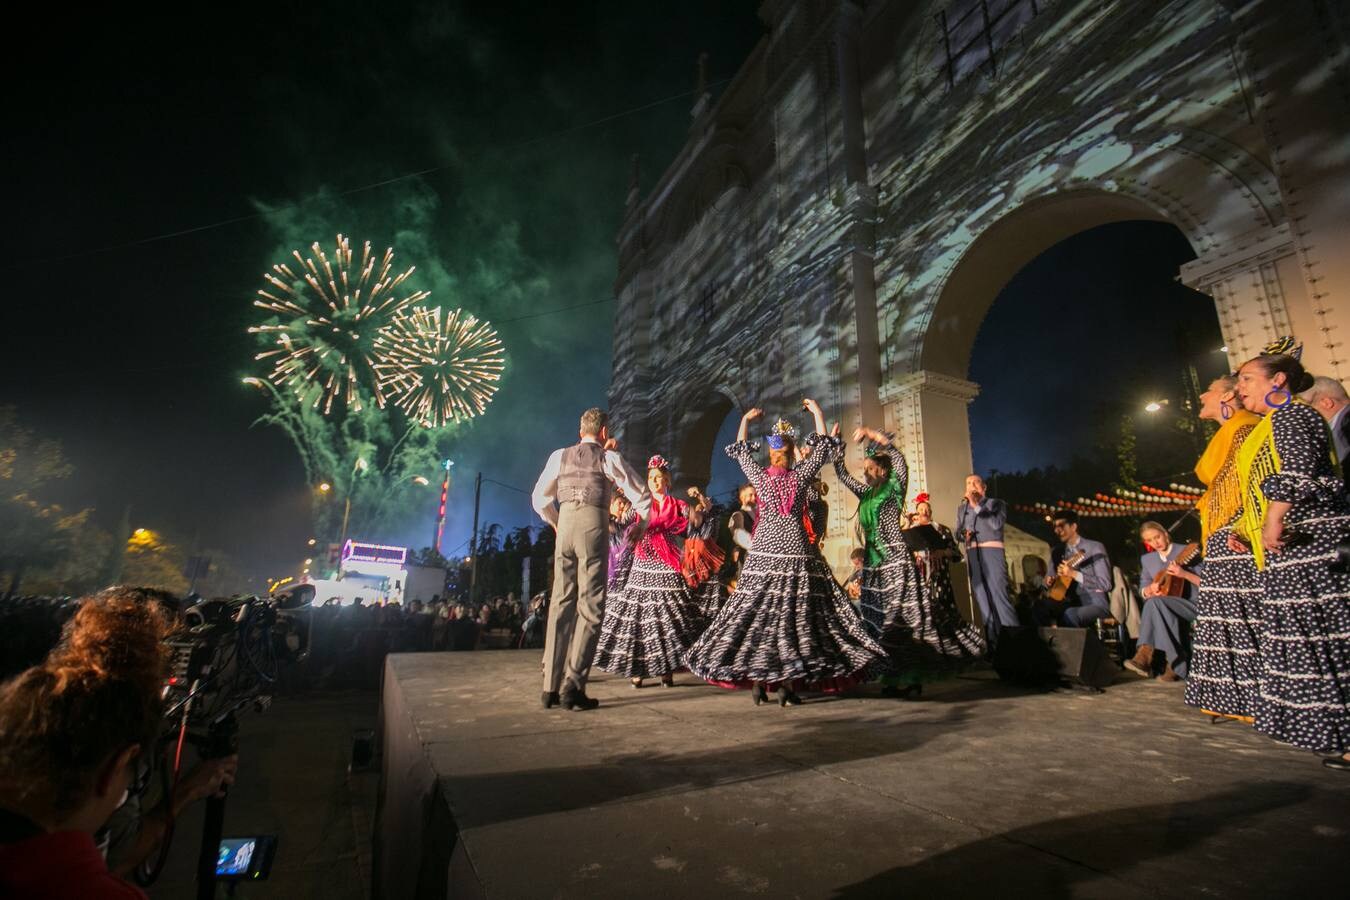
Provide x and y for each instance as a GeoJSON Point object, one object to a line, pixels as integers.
{"type": "Point", "coordinates": [60, 865]}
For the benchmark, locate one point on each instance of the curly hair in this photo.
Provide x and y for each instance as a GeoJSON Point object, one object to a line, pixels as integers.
{"type": "Point", "coordinates": [96, 693]}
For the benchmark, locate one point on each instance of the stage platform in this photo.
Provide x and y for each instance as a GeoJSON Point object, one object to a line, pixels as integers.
{"type": "Point", "coordinates": [978, 789]}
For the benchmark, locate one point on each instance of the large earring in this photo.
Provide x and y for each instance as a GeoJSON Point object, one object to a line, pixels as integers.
{"type": "Point", "coordinates": [1225, 411]}
{"type": "Point", "coordinates": [1279, 390]}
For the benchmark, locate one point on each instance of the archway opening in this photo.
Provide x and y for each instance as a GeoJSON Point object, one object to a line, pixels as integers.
{"type": "Point", "coordinates": [726, 475]}
{"type": "Point", "coordinates": [698, 453]}
{"type": "Point", "coordinates": [1090, 362]}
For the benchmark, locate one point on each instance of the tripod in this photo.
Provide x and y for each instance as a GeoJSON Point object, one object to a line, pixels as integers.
{"type": "Point", "coordinates": [221, 739]}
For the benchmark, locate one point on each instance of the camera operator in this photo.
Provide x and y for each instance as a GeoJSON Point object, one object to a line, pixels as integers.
{"type": "Point", "coordinates": [71, 730]}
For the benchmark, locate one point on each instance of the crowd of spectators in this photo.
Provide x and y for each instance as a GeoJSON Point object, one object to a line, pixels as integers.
{"type": "Point", "coordinates": [347, 643]}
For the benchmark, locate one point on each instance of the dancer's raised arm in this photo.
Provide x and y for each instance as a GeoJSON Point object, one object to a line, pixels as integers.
{"type": "Point", "coordinates": [743, 433]}
{"type": "Point", "coordinates": [813, 408]}
{"type": "Point", "coordinates": [698, 508]}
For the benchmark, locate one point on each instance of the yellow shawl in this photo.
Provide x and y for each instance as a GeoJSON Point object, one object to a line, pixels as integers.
{"type": "Point", "coordinates": [1217, 471]}
{"type": "Point", "coordinates": [1257, 459]}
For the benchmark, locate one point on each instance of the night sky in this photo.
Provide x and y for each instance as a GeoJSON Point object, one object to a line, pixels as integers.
{"type": "Point", "coordinates": [156, 170]}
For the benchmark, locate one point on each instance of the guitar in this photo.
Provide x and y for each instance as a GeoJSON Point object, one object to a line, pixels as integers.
{"type": "Point", "coordinates": [1173, 585]}
{"type": "Point", "coordinates": [1059, 588]}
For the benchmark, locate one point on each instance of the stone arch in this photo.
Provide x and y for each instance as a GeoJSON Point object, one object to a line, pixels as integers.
{"type": "Point", "coordinates": [992, 259]}
{"type": "Point", "coordinates": [928, 392]}
{"type": "Point", "coordinates": [700, 416]}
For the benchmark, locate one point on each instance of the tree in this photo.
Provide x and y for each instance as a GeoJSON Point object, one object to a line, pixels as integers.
{"type": "Point", "coordinates": [151, 561]}
{"type": "Point", "coordinates": [36, 534]}
{"type": "Point", "coordinates": [429, 557]}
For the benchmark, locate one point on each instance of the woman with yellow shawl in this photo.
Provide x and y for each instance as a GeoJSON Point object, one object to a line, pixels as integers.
{"type": "Point", "coordinates": [1225, 650]}
{"type": "Point", "coordinates": [1294, 513]}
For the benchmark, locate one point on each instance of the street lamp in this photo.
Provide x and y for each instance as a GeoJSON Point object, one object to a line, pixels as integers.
{"type": "Point", "coordinates": [1155, 406]}
{"type": "Point", "coordinates": [312, 541]}
{"type": "Point", "coordinates": [325, 487]}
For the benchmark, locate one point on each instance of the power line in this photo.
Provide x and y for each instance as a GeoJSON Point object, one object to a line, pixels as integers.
{"type": "Point", "coordinates": [510, 487]}
{"type": "Point", "coordinates": [186, 366]}
{"type": "Point", "coordinates": [374, 185]}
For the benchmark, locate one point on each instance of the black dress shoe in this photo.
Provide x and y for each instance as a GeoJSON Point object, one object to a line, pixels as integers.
{"type": "Point", "coordinates": [579, 700]}
{"type": "Point", "coordinates": [549, 699]}
{"type": "Point", "coordinates": [759, 694]}
{"type": "Point", "coordinates": [1339, 763]}
{"type": "Point", "coordinates": [788, 697]}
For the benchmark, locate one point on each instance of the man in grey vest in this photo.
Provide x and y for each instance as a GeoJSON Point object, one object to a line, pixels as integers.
{"type": "Point", "coordinates": [979, 523]}
{"type": "Point", "coordinates": [580, 480]}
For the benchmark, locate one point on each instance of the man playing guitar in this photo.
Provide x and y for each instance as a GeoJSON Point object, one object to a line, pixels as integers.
{"type": "Point", "coordinates": [1080, 565]}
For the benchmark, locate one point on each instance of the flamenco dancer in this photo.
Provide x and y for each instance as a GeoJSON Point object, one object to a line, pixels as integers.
{"type": "Point", "coordinates": [1225, 652]}
{"type": "Point", "coordinates": [1294, 513]}
{"type": "Point", "coordinates": [935, 578]}
{"type": "Point", "coordinates": [703, 558]}
{"type": "Point", "coordinates": [654, 618]}
{"type": "Point", "coordinates": [924, 639]}
{"type": "Point", "coordinates": [816, 516]}
{"type": "Point", "coordinates": [622, 539]}
{"type": "Point", "coordinates": [788, 622]}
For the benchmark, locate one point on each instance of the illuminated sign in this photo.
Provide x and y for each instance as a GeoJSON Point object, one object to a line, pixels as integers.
{"type": "Point", "coordinates": [354, 551]}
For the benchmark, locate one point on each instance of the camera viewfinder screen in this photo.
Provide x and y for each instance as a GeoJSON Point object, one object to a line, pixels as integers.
{"type": "Point", "coordinates": [236, 854]}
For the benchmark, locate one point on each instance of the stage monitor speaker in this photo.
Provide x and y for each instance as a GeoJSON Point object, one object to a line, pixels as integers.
{"type": "Point", "coordinates": [1041, 655]}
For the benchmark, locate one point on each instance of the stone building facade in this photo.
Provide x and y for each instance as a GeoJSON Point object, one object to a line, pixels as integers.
{"type": "Point", "coordinates": [844, 213]}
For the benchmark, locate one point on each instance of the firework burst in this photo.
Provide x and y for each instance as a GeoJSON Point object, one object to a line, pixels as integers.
{"type": "Point", "coordinates": [333, 318]}
{"type": "Point", "coordinates": [439, 366]}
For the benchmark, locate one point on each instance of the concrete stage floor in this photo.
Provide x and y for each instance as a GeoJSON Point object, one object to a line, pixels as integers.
{"type": "Point", "coordinates": [977, 789]}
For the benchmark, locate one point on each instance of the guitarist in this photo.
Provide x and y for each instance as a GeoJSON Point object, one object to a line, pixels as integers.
{"type": "Point", "coordinates": [1089, 575]}
{"type": "Point", "coordinates": [1164, 628]}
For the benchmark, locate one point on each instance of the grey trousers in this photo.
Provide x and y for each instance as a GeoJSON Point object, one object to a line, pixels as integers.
{"type": "Point", "coordinates": [989, 584]}
{"type": "Point", "coordinates": [1165, 626]}
{"type": "Point", "coordinates": [580, 568]}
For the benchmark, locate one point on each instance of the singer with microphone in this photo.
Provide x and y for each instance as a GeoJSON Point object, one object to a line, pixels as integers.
{"type": "Point", "coordinates": [979, 524]}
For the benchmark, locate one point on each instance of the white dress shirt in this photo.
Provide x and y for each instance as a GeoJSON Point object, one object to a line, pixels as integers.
{"type": "Point", "coordinates": [616, 469]}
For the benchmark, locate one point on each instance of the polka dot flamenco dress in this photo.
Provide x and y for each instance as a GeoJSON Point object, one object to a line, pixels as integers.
{"type": "Point", "coordinates": [654, 616]}
{"type": "Point", "coordinates": [788, 620]}
{"type": "Point", "coordinates": [1304, 692]}
{"type": "Point", "coordinates": [922, 631]}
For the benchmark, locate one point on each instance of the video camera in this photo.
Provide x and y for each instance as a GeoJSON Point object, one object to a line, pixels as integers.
{"type": "Point", "coordinates": [229, 651]}
{"type": "Point", "coordinates": [227, 655]}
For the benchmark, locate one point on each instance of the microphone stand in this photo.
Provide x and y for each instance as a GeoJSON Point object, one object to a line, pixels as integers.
{"type": "Point", "coordinates": [973, 560]}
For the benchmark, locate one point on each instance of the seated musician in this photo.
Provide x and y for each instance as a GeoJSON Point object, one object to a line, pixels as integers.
{"type": "Point", "coordinates": [1089, 577]}
{"type": "Point", "coordinates": [853, 587]}
{"type": "Point", "coordinates": [1164, 628]}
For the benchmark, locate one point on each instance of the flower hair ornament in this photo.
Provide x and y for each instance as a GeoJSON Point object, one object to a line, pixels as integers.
{"type": "Point", "coordinates": [658, 462]}
{"type": "Point", "coordinates": [1285, 346]}
{"type": "Point", "coordinates": [921, 497]}
{"type": "Point", "coordinates": [780, 435]}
